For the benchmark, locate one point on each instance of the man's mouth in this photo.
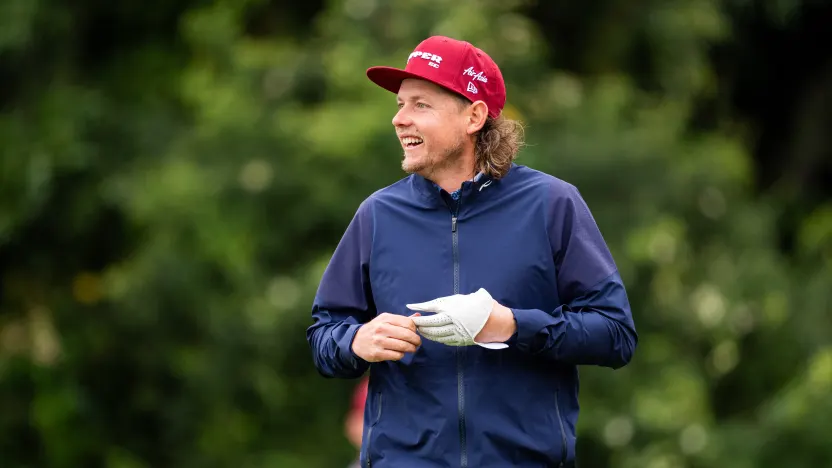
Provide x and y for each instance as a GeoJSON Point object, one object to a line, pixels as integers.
{"type": "Point", "coordinates": [411, 142]}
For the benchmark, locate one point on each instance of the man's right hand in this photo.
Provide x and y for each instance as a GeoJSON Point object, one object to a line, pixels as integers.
{"type": "Point", "coordinates": [386, 338]}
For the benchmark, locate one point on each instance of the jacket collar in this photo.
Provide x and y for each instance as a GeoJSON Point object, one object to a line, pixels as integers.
{"type": "Point", "coordinates": [434, 193]}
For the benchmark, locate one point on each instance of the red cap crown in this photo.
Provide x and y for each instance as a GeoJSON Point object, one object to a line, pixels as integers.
{"type": "Point", "coordinates": [455, 65]}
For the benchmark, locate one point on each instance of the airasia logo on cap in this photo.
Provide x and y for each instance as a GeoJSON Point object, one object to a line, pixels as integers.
{"type": "Point", "coordinates": [434, 59]}
{"type": "Point", "coordinates": [478, 76]}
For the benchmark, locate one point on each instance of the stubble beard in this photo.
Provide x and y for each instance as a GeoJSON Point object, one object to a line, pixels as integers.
{"type": "Point", "coordinates": [434, 162]}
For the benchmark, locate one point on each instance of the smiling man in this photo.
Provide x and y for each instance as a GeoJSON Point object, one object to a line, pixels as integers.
{"type": "Point", "coordinates": [472, 288]}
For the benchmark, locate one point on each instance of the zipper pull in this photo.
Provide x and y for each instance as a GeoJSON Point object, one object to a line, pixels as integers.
{"type": "Point", "coordinates": [453, 224]}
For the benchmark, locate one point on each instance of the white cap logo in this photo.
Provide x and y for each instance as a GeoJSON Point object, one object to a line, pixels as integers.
{"type": "Point", "coordinates": [478, 76]}
{"type": "Point", "coordinates": [433, 59]}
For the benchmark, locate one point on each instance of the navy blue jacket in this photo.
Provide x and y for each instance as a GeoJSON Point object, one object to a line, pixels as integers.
{"type": "Point", "coordinates": [530, 241]}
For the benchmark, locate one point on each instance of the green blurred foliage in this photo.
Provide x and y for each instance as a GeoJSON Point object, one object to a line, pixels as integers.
{"type": "Point", "coordinates": [175, 175]}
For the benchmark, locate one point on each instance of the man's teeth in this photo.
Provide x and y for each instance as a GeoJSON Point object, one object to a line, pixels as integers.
{"type": "Point", "coordinates": [411, 140]}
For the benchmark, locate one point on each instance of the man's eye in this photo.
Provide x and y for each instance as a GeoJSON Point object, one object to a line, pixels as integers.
{"type": "Point", "coordinates": [421, 105]}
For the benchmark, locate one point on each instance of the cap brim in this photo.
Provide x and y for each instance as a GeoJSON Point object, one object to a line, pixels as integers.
{"type": "Point", "coordinates": [391, 78]}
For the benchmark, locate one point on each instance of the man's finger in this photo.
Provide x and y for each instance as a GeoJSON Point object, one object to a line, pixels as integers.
{"type": "Point", "coordinates": [402, 321]}
{"type": "Point", "coordinates": [433, 332]}
{"type": "Point", "coordinates": [436, 320]}
{"type": "Point", "coordinates": [401, 333]}
{"type": "Point", "coordinates": [402, 346]}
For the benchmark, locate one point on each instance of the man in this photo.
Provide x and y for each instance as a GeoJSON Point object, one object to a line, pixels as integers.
{"type": "Point", "coordinates": [471, 288]}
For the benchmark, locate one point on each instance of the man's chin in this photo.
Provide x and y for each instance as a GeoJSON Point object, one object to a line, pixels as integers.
{"type": "Point", "coordinates": [413, 167]}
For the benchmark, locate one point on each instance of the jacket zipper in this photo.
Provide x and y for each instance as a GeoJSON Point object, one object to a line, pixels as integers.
{"type": "Point", "coordinates": [562, 430]}
{"type": "Point", "coordinates": [460, 356]}
{"type": "Point", "coordinates": [370, 430]}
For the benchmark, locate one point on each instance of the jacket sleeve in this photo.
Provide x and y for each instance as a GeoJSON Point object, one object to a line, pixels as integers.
{"type": "Point", "coordinates": [594, 324]}
{"type": "Point", "coordinates": [343, 302]}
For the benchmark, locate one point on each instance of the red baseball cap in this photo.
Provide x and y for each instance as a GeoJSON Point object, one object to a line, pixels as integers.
{"type": "Point", "coordinates": [455, 65]}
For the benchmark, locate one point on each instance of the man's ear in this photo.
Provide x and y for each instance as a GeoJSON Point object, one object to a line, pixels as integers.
{"type": "Point", "coordinates": [477, 114]}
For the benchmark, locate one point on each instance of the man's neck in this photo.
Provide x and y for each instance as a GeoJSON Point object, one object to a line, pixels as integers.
{"type": "Point", "coordinates": [451, 177]}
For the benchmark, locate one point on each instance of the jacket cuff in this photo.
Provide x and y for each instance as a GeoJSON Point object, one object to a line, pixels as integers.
{"type": "Point", "coordinates": [529, 324]}
{"type": "Point", "coordinates": [345, 347]}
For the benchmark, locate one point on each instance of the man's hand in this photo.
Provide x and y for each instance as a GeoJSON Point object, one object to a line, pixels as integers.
{"type": "Point", "coordinates": [465, 320]}
{"type": "Point", "coordinates": [386, 338]}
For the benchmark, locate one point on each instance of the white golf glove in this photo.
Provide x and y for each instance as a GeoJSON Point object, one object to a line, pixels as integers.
{"type": "Point", "coordinates": [458, 319]}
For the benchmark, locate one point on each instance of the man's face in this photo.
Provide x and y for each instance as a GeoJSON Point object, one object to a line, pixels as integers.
{"type": "Point", "coordinates": [431, 126]}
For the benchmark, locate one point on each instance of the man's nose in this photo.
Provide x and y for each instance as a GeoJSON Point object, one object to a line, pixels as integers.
{"type": "Point", "coordinates": [402, 118]}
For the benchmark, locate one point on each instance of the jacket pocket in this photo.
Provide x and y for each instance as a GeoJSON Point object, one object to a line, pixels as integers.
{"type": "Point", "coordinates": [561, 426]}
